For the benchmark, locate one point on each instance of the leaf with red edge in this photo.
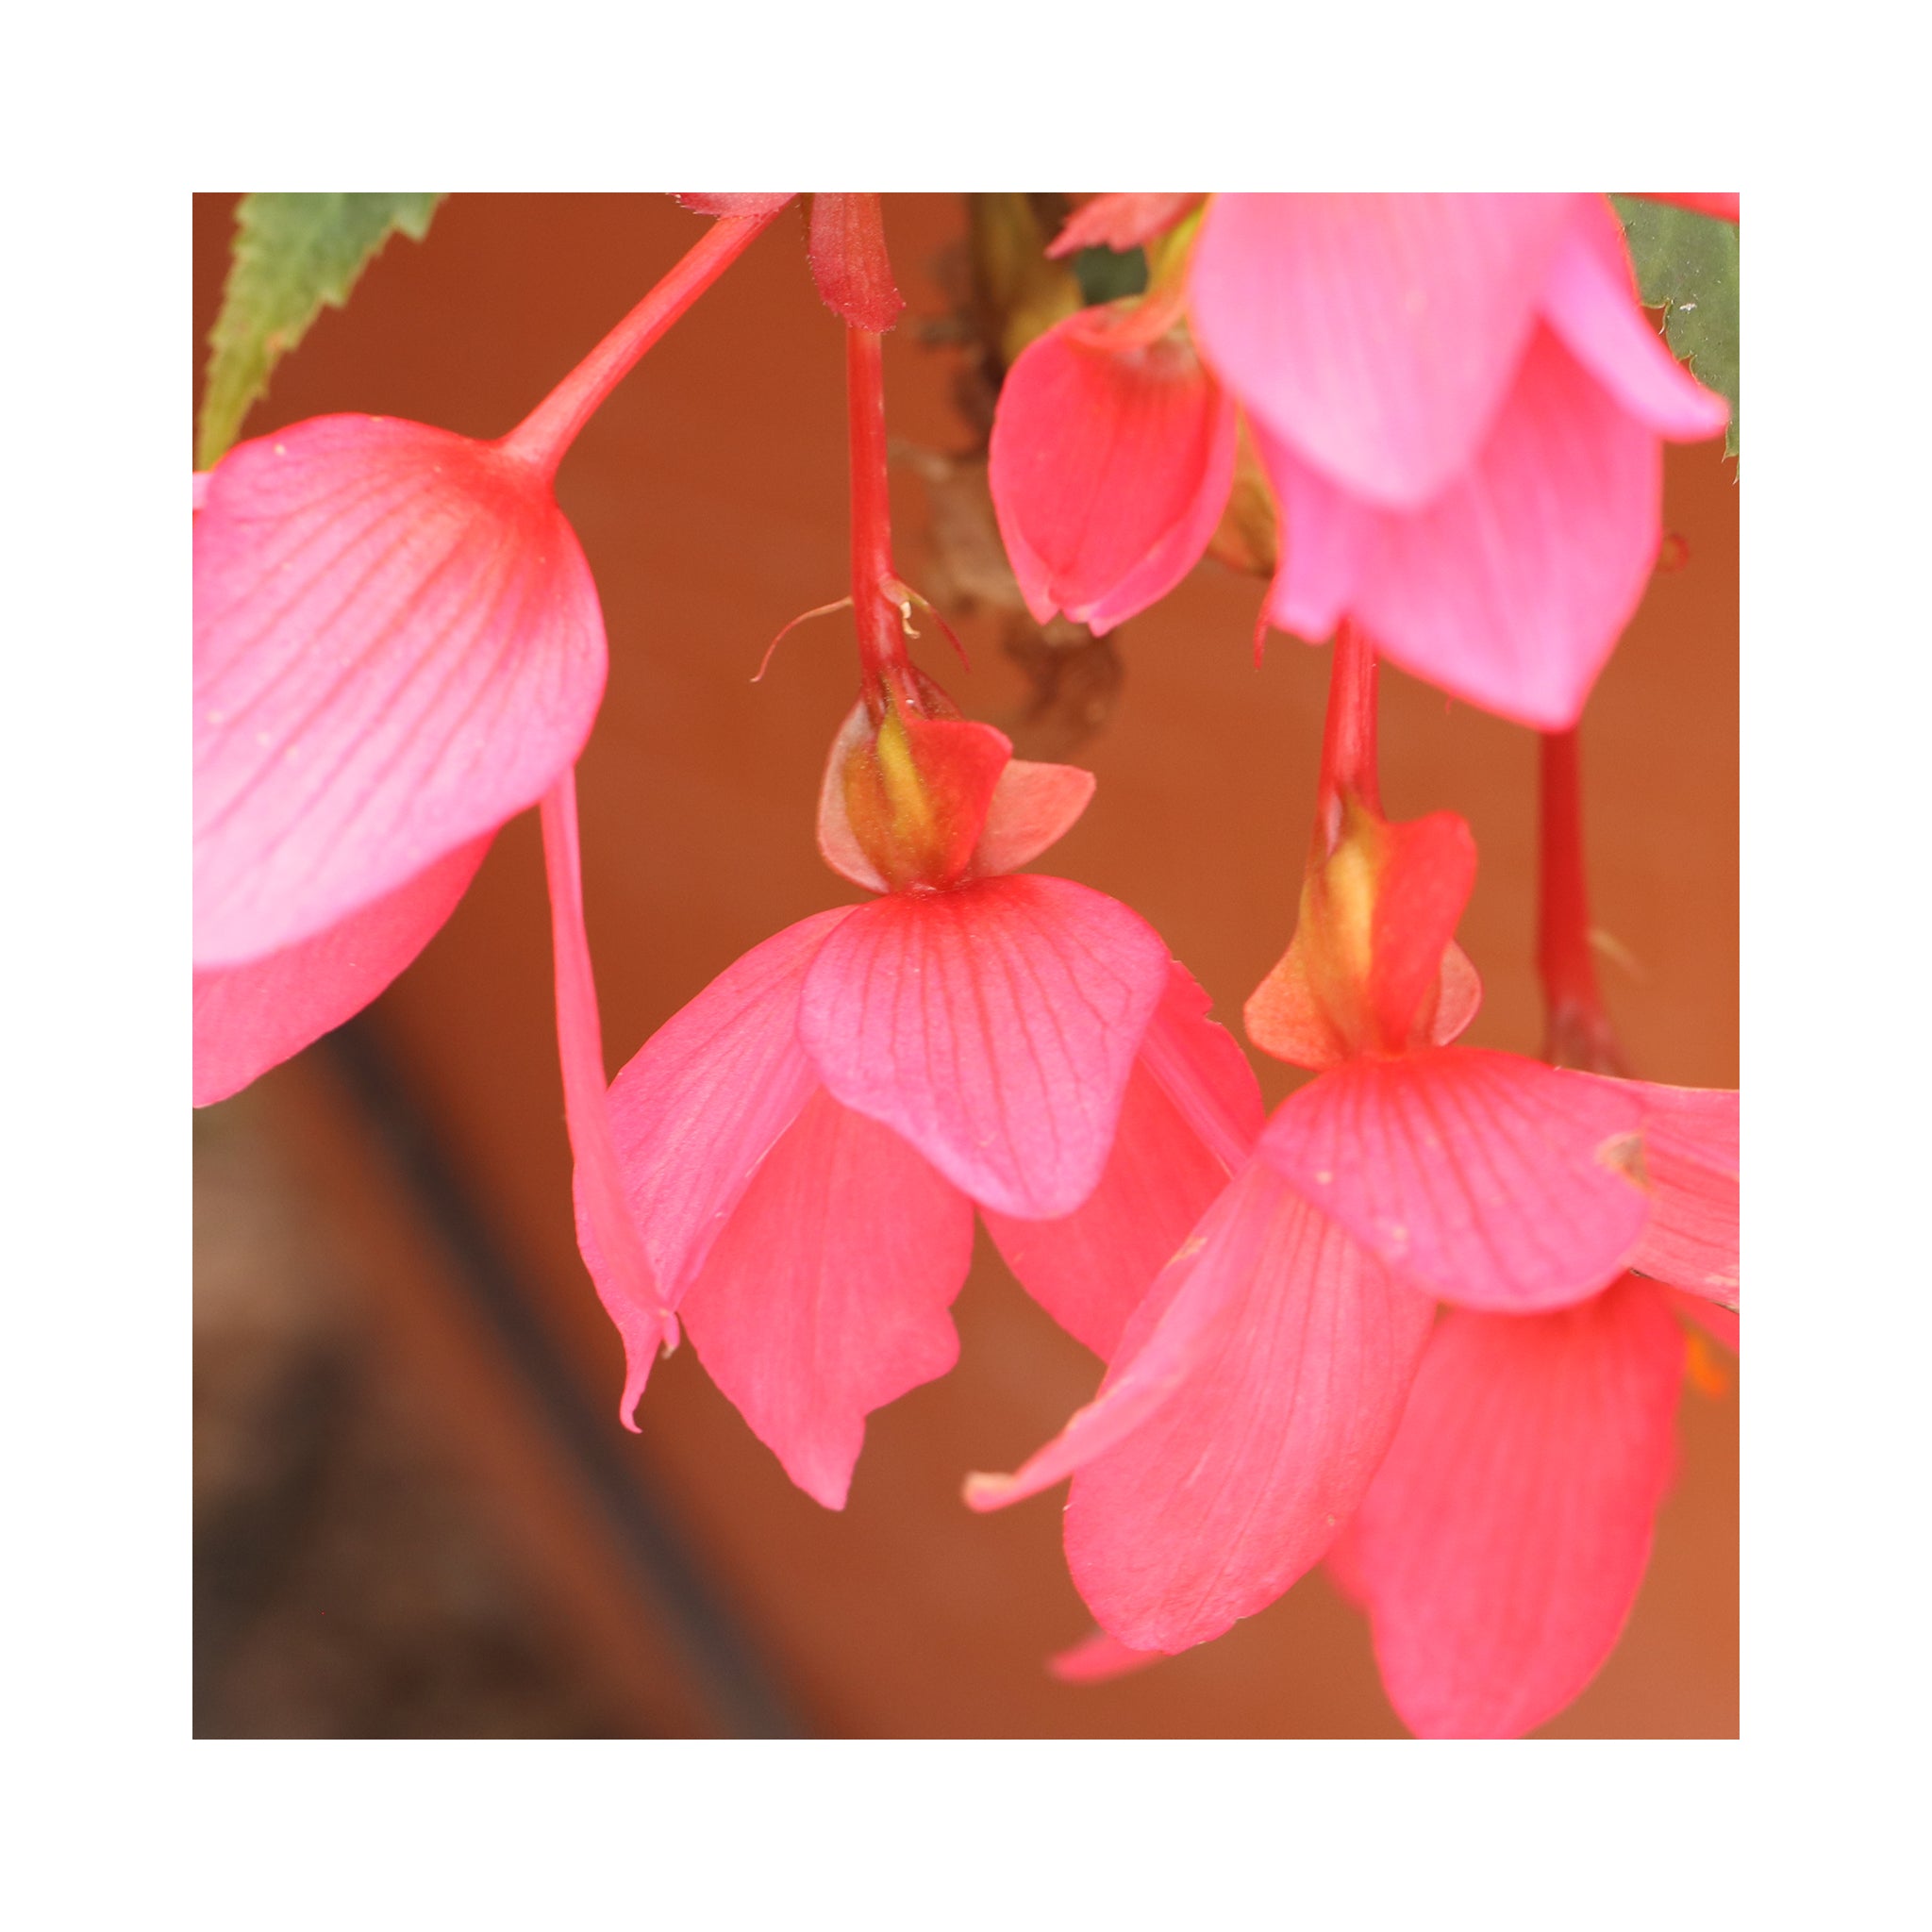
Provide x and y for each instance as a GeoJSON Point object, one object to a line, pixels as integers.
{"type": "Point", "coordinates": [1687, 264]}
{"type": "Point", "coordinates": [397, 646]}
{"type": "Point", "coordinates": [1294, 1357]}
{"type": "Point", "coordinates": [1502, 1541]}
{"type": "Point", "coordinates": [1511, 588]}
{"type": "Point", "coordinates": [847, 250]}
{"type": "Point", "coordinates": [825, 1295]}
{"type": "Point", "coordinates": [1110, 468]}
{"type": "Point", "coordinates": [1120, 222]}
{"type": "Point", "coordinates": [1377, 335]}
{"type": "Point", "coordinates": [1090, 1270]}
{"type": "Point", "coordinates": [248, 1018]}
{"type": "Point", "coordinates": [994, 1025]}
{"type": "Point", "coordinates": [1488, 1179]}
{"type": "Point", "coordinates": [706, 1096]}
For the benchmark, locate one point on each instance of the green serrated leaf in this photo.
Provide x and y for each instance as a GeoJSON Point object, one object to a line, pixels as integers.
{"type": "Point", "coordinates": [294, 253]}
{"type": "Point", "coordinates": [1688, 265]}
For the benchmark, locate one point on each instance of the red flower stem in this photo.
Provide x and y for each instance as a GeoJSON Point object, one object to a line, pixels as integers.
{"type": "Point", "coordinates": [552, 427]}
{"type": "Point", "coordinates": [1348, 737]}
{"type": "Point", "coordinates": [1579, 1031]}
{"type": "Point", "coordinates": [876, 591]}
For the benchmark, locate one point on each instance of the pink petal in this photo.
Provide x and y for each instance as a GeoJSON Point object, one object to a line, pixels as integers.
{"type": "Point", "coordinates": [1377, 334]}
{"type": "Point", "coordinates": [1513, 588]}
{"type": "Point", "coordinates": [1429, 876]}
{"type": "Point", "coordinates": [1091, 1269]}
{"type": "Point", "coordinates": [1098, 1659]}
{"type": "Point", "coordinates": [1330, 543]}
{"type": "Point", "coordinates": [248, 1018]}
{"type": "Point", "coordinates": [1110, 469]}
{"type": "Point", "coordinates": [825, 1295]}
{"type": "Point", "coordinates": [1033, 806]}
{"type": "Point", "coordinates": [847, 250]}
{"type": "Point", "coordinates": [732, 203]}
{"type": "Point", "coordinates": [614, 1255]}
{"type": "Point", "coordinates": [1260, 1384]}
{"type": "Point", "coordinates": [994, 1025]}
{"type": "Point", "coordinates": [1252, 1396]}
{"type": "Point", "coordinates": [1120, 222]}
{"type": "Point", "coordinates": [1592, 302]}
{"type": "Point", "coordinates": [1503, 1542]}
{"type": "Point", "coordinates": [1487, 1180]}
{"type": "Point", "coordinates": [1691, 1164]}
{"type": "Point", "coordinates": [708, 1094]}
{"type": "Point", "coordinates": [398, 646]}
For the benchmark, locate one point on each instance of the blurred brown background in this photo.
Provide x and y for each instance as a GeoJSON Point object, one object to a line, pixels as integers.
{"type": "Point", "coordinates": [415, 1513]}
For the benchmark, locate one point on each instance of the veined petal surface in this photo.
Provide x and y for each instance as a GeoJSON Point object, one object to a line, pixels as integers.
{"type": "Point", "coordinates": [708, 1094]}
{"type": "Point", "coordinates": [1502, 1543]}
{"type": "Point", "coordinates": [397, 646]}
{"type": "Point", "coordinates": [1376, 334]}
{"type": "Point", "coordinates": [826, 1294]}
{"type": "Point", "coordinates": [1110, 468]}
{"type": "Point", "coordinates": [1482, 1178]}
{"type": "Point", "coordinates": [1091, 1269]}
{"type": "Point", "coordinates": [1511, 588]}
{"type": "Point", "coordinates": [846, 245]}
{"type": "Point", "coordinates": [248, 1018]}
{"type": "Point", "coordinates": [1237, 1484]}
{"type": "Point", "coordinates": [1691, 1165]}
{"type": "Point", "coordinates": [994, 1025]}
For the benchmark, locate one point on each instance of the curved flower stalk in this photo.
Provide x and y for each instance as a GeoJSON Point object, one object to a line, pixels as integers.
{"type": "Point", "coordinates": [804, 1143]}
{"type": "Point", "coordinates": [1458, 401]}
{"type": "Point", "coordinates": [1256, 1391]}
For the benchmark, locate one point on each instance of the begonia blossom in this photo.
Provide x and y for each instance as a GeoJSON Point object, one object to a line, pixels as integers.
{"type": "Point", "coordinates": [1256, 1388]}
{"type": "Point", "coordinates": [1457, 400]}
{"type": "Point", "coordinates": [804, 1143]}
{"type": "Point", "coordinates": [1500, 1548]}
{"type": "Point", "coordinates": [398, 647]}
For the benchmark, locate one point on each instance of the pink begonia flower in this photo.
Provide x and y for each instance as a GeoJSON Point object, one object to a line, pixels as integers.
{"type": "Point", "coordinates": [1501, 1546]}
{"type": "Point", "coordinates": [1255, 1389]}
{"type": "Point", "coordinates": [1458, 401]}
{"type": "Point", "coordinates": [397, 647]}
{"type": "Point", "coordinates": [803, 1144]}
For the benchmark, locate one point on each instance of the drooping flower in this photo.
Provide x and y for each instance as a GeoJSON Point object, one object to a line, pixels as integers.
{"type": "Point", "coordinates": [804, 1143]}
{"type": "Point", "coordinates": [1458, 403]}
{"type": "Point", "coordinates": [397, 647]}
{"type": "Point", "coordinates": [1256, 1391]}
{"type": "Point", "coordinates": [1501, 1546]}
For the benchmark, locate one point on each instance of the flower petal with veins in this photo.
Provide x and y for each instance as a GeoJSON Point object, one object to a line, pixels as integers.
{"type": "Point", "coordinates": [1488, 1179]}
{"type": "Point", "coordinates": [825, 1295]}
{"type": "Point", "coordinates": [1502, 1543]}
{"type": "Point", "coordinates": [994, 1025]}
{"type": "Point", "coordinates": [398, 646]}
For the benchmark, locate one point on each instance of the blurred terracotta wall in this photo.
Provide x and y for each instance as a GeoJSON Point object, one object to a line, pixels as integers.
{"type": "Point", "coordinates": [709, 497]}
